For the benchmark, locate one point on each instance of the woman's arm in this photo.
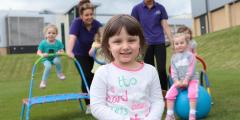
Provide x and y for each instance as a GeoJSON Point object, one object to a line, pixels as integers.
{"type": "Point", "coordinates": [71, 43]}
{"type": "Point", "coordinates": [167, 30]}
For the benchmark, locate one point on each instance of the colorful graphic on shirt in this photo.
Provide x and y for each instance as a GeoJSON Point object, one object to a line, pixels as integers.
{"type": "Point", "coordinates": [119, 95]}
{"type": "Point", "coordinates": [124, 82]}
{"type": "Point", "coordinates": [118, 98]}
{"type": "Point", "coordinates": [120, 110]}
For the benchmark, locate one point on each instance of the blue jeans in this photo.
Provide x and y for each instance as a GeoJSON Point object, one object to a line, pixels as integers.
{"type": "Point", "coordinates": [47, 64]}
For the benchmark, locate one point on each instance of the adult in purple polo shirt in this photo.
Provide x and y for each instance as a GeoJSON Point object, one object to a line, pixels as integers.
{"type": "Point", "coordinates": [82, 33]}
{"type": "Point", "coordinates": [153, 18]}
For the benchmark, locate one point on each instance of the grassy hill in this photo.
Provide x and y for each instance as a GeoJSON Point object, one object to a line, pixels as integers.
{"type": "Point", "coordinates": [221, 52]}
{"type": "Point", "coordinates": [219, 49]}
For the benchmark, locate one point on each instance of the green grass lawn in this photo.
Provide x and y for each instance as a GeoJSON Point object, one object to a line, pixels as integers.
{"type": "Point", "coordinates": [219, 49]}
{"type": "Point", "coordinates": [225, 94]}
{"type": "Point", "coordinates": [15, 72]}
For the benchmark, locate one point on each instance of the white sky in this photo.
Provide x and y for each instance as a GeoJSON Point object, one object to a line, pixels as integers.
{"type": "Point", "coordinates": [173, 7]}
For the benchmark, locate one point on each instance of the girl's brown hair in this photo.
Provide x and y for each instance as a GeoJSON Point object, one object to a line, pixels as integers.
{"type": "Point", "coordinates": [183, 29]}
{"type": "Point", "coordinates": [84, 5]}
{"type": "Point", "coordinates": [114, 27]}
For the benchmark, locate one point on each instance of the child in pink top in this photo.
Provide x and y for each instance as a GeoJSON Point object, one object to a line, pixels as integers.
{"type": "Point", "coordinates": [184, 76]}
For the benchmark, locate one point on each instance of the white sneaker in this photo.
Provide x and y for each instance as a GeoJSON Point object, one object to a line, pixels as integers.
{"type": "Point", "coordinates": [43, 84]}
{"type": "Point", "coordinates": [192, 116]}
{"type": "Point", "coordinates": [170, 117]}
{"type": "Point", "coordinates": [61, 76]}
{"type": "Point", "coordinates": [88, 110]}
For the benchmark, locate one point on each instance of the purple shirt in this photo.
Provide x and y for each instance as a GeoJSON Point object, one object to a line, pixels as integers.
{"type": "Point", "coordinates": [85, 37]}
{"type": "Point", "coordinates": [150, 20]}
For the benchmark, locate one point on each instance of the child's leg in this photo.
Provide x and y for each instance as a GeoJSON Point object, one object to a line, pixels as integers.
{"type": "Point", "coordinates": [171, 96]}
{"type": "Point", "coordinates": [57, 63]}
{"type": "Point", "coordinates": [192, 95]}
{"type": "Point", "coordinates": [47, 64]}
{"type": "Point", "coordinates": [170, 105]}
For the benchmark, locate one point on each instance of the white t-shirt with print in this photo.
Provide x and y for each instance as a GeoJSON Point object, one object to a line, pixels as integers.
{"type": "Point", "coordinates": [120, 94]}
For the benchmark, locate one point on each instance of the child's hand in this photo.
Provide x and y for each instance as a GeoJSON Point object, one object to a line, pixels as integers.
{"type": "Point", "coordinates": [177, 83]}
{"type": "Point", "coordinates": [185, 83]}
{"type": "Point", "coordinates": [59, 52]}
{"type": "Point", "coordinates": [195, 54]}
{"type": "Point", "coordinates": [44, 55]}
{"type": "Point", "coordinates": [98, 45]}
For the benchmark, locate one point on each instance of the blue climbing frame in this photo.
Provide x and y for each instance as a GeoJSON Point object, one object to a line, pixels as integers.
{"type": "Point", "coordinates": [28, 102]}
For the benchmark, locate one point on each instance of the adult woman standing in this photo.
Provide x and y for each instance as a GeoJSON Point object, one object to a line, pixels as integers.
{"type": "Point", "coordinates": [82, 33]}
{"type": "Point", "coordinates": [153, 18]}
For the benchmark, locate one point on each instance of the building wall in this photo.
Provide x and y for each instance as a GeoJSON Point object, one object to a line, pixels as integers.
{"type": "Point", "coordinates": [63, 19]}
{"type": "Point", "coordinates": [3, 51]}
{"type": "Point", "coordinates": [196, 26]}
{"type": "Point", "coordinates": [215, 4]}
{"type": "Point", "coordinates": [221, 17]}
{"type": "Point", "coordinates": [3, 36]}
{"type": "Point", "coordinates": [56, 19]}
{"type": "Point", "coordinates": [234, 9]}
{"type": "Point", "coordinates": [199, 6]}
{"type": "Point", "coordinates": [218, 20]}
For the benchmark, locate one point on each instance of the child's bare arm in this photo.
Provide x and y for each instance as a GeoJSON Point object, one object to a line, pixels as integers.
{"type": "Point", "coordinates": [95, 46]}
{"type": "Point", "coordinates": [194, 51]}
{"type": "Point", "coordinates": [91, 51]}
{"type": "Point", "coordinates": [41, 54]}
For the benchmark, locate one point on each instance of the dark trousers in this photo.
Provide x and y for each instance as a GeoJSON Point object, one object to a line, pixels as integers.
{"type": "Point", "coordinates": [87, 65]}
{"type": "Point", "coordinates": [159, 51]}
